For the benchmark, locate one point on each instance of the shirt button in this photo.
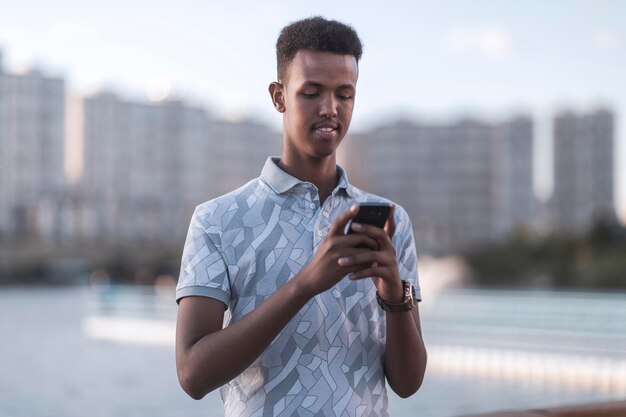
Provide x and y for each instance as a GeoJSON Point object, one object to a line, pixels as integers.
{"type": "Point", "coordinates": [312, 205]}
{"type": "Point", "coordinates": [319, 233]}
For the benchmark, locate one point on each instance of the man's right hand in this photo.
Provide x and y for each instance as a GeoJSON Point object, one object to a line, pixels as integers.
{"type": "Point", "coordinates": [323, 271]}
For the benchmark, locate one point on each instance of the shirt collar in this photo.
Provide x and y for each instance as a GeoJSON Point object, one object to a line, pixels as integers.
{"type": "Point", "coordinates": [281, 182]}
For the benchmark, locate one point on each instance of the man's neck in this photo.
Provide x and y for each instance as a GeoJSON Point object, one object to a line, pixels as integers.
{"type": "Point", "coordinates": [322, 172]}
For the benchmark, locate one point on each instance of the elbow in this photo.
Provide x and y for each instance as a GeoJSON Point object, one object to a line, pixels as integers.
{"type": "Point", "coordinates": [414, 382]}
{"type": "Point", "coordinates": [403, 394]}
{"type": "Point", "coordinates": [197, 381]}
{"type": "Point", "coordinates": [407, 391]}
{"type": "Point", "coordinates": [196, 395]}
{"type": "Point", "coordinates": [190, 386]}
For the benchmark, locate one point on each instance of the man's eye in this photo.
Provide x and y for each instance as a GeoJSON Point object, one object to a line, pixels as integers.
{"type": "Point", "coordinates": [309, 94]}
{"type": "Point", "coordinates": [345, 96]}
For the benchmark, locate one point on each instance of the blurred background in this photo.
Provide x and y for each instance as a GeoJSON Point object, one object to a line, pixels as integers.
{"type": "Point", "coordinates": [496, 126]}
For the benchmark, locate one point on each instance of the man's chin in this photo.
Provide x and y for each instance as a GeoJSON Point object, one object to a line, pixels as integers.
{"type": "Point", "coordinates": [326, 147]}
{"type": "Point", "coordinates": [323, 153]}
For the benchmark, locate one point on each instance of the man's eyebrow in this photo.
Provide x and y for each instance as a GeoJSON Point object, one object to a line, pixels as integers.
{"type": "Point", "coordinates": [319, 85]}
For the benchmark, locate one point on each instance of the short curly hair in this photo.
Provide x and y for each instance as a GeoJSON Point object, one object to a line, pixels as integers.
{"type": "Point", "coordinates": [316, 34]}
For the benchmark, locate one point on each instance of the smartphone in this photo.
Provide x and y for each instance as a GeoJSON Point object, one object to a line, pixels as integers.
{"type": "Point", "coordinates": [370, 213]}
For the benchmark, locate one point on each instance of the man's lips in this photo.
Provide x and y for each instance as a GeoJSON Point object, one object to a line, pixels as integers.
{"type": "Point", "coordinates": [326, 129]}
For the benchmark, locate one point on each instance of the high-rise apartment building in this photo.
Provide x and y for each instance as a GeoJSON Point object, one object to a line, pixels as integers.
{"type": "Point", "coordinates": [514, 202]}
{"type": "Point", "coordinates": [143, 163]}
{"type": "Point", "coordinates": [32, 181]}
{"type": "Point", "coordinates": [238, 151]}
{"type": "Point", "coordinates": [583, 170]}
{"type": "Point", "coordinates": [147, 165]}
{"type": "Point", "coordinates": [462, 184]}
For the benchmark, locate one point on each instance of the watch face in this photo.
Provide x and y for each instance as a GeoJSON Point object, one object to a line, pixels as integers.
{"type": "Point", "coordinates": [409, 293]}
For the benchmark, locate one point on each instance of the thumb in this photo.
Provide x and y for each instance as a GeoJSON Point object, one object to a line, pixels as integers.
{"type": "Point", "coordinates": [340, 224]}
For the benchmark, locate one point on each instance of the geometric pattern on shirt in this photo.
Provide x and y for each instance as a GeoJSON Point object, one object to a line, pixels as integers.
{"type": "Point", "coordinates": [241, 247]}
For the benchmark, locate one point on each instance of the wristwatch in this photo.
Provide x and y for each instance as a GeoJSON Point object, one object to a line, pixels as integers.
{"type": "Point", "coordinates": [405, 305]}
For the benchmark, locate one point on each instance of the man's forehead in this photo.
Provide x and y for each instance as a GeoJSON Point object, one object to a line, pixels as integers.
{"type": "Point", "coordinates": [314, 57]}
{"type": "Point", "coordinates": [318, 67]}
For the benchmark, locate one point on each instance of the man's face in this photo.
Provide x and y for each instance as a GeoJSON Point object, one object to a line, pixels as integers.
{"type": "Point", "coordinates": [316, 99]}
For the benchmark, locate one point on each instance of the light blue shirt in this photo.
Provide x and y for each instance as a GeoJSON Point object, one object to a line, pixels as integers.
{"type": "Point", "coordinates": [241, 247]}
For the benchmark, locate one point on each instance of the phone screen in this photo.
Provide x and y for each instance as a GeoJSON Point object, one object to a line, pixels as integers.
{"type": "Point", "coordinates": [370, 213]}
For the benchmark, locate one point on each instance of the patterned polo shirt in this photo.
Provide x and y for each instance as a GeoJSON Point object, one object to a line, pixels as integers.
{"type": "Point", "coordinates": [241, 247]}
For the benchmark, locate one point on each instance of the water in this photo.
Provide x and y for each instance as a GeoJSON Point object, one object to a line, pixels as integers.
{"type": "Point", "coordinates": [51, 369]}
{"type": "Point", "coordinates": [51, 365]}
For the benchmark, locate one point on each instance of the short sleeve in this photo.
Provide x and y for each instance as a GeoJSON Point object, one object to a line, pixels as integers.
{"type": "Point", "coordinates": [406, 254]}
{"type": "Point", "coordinates": [203, 271]}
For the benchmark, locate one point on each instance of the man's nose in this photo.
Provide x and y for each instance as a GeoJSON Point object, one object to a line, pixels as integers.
{"type": "Point", "coordinates": [328, 106]}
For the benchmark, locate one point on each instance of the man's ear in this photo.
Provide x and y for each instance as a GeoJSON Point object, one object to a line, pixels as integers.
{"type": "Point", "coordinates": [278, 96]}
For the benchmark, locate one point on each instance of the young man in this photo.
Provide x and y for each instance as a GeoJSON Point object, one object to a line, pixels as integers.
{"type": "Point", "coordinates": [276, 304]}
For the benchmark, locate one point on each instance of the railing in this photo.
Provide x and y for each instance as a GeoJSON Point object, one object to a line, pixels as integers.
{"type": "Point", "coordinates": [565, 339]}
{"type": "Point", "coordinates": [611, 409]}
{"type": "Point", "coordinates": [131, 314]}
{"type": "Point", "coordinates": [573, 340]}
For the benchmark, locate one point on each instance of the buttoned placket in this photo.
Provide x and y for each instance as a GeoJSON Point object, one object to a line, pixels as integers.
{"type": "Point", "coordinates": [309, 207]}
{"type": "Point", "coordinates": [323, 221]}
{"type": "Point", "coordinates": [319, 221]}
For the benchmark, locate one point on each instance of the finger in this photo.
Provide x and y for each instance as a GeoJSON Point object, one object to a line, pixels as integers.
{"type": "Point", "coordinates": [378, 271]}
{"type": "Point", "coordinates": [374, 232]}
{"type": "Point", "coordinates": [370, 258]}
{"type": "Point", "coordinates": [340, 224]}
{"type": "Point", "coordinates": [360, 239]}
{"type": "Point", "coordinates": [351, 252]}
{"type": "Point", "coordinates": [390, 225]}
{"type": "Point", "coordinates": [354, 268]}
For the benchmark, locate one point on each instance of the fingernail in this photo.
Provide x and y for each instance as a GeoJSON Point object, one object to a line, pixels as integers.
{"type": "Point", "coordinates": [357, 226]}
{"type": "Point", "coordinates": [343, 261]}
{"type": "Point", "coordinates": [354, 207]}
{"type": "Point", "coordinates": [351, 276]}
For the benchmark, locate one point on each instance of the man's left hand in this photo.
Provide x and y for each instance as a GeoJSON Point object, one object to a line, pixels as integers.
{"type": "Point", "coordinates": [383, 267]}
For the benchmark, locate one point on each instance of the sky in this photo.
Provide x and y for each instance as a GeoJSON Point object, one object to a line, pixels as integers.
{"type": "Point", "coordinates": [428, 61]}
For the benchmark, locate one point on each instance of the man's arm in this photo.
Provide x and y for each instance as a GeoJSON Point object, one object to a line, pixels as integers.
{"type": "Point", "coordinates": [208, 356]}
{"type": "Point", "coordinates": [405, 354]}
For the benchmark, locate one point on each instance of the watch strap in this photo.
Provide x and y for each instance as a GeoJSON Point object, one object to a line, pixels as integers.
{"type": "Point", "coordinates": [407, 304]}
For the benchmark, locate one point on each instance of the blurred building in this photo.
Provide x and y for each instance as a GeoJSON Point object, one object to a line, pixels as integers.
{"type": "Point", "coordinates": [514, 202]}
{"type": "Point", "coordinates": [583, 170]}
{"type": "Point", "coordinates": [238, 152]}
{"type": "Point", "coordinates": [32, 181]}
{"type": "Point", "coordinates": [462, 184]}
{"type": "Point", "coordinates": [147, 165]}
{"type": "Point", "coordinates": [351, 154]}
{"type": "Point", "coordinates": [143, 163]}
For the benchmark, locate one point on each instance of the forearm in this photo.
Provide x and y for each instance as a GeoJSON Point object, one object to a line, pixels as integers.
{"type": "Point", "coordinates": [405, 354]}
{"type": "Point", "coordinates": [220, 356]}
